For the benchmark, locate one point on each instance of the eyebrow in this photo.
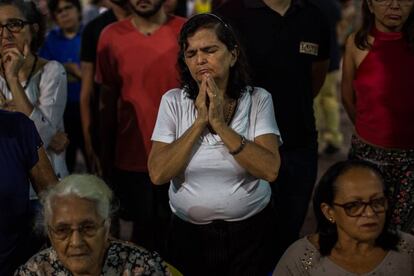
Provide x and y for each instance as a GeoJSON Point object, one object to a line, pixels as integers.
{"type": "Point", "coordinates": [203, 49]}
{"type": "Point", "coordinates": [358, 198]}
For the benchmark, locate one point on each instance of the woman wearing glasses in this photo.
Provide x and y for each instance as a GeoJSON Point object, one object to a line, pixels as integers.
{"type": "Point", "coordinates": [353, 236]}
{"type": "Point", "coordinates": [377, 92]}
{"type": "Point", "coordinates": [77, 215]}
{"type": "Point", "coordinates": [28, 84]}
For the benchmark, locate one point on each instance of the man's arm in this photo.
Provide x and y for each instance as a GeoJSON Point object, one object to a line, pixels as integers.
{"type": "Point", "coordinates": [319, 70]}
{"type": "Point", "coordinates": [42, 175]}
{"type": "Point", "coordinates": [86, 95]}
{"type": "Point", "coordinates": [108, 99]}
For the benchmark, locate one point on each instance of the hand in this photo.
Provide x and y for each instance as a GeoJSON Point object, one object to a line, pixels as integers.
{"type": "Point", "coordinates": [73, 69]}
{"type": "Point", "coordinates": [201, 104]}
{"type": "Point", "coordinates": [215, 109]}
{"type": "Point", "coordinates": [9, 105]}
{"type": "Point", "coordinates": [13, 60]}
{"type": "Point", "coordinates": [59, 142]}
{"type": "Point", "coordinates": [93, 160]}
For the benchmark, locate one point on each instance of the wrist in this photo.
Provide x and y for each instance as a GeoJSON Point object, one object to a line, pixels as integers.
{"type": "Point", "coordinates": [219, 127]}
{"type": "Point", "coordinates": [200, 124]}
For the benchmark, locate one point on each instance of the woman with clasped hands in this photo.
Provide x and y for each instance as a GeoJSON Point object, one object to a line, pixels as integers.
{"type": "Point", "coordinates": [216, 140]}
{"type": "Point", "coordinates": [353, 236]}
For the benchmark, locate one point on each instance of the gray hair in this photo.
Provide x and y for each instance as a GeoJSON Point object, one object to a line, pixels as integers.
{"type": "Point", "coordinates": [85, 186]}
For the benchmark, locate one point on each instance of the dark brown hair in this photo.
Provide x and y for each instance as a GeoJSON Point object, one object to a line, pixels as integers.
{"type": "Point", "coordinates": [368, 21]}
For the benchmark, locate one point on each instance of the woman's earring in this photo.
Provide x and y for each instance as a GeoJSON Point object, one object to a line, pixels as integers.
{"type": "Point", "coordinates": [331, 220]}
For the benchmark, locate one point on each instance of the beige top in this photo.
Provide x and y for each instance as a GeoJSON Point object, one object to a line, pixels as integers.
{"type": "Point", "coordinates": [302, 258]}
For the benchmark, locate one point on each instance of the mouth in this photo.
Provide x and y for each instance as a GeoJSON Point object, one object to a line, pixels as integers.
{"type": "Point", "coordinates": [370, 226]}
{"type": "Point", "coordinates": [203, 71]}
{"type": "Point", "coordinates": [8, 45]}
{"type": "Point", "coordinates": [394, 17]}
{"type": "Point", "coordinates": [78, 255]}
{"type": "Point", "coordinates": [143, 2]}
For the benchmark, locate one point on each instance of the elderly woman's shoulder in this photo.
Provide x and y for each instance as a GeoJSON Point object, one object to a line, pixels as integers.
{"type": "Point", "coordinates": [299, 258]}
{"type": "Point", "coordinates": [45, 261]}
{"type": "Point", "coordinates": [406, 243]}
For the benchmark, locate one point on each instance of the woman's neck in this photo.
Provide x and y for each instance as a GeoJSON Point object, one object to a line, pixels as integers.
{"type": "Point", "coordinates": [350, 246]}
{"type": "Point", "coordinates": [27, 67]}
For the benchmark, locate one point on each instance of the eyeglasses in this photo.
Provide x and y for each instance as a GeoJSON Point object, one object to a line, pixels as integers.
{"type": "Point", "coordinates": [87, 229]}
{"type": "Point", "coordinates": [389, 2]}
{"type": "Point", "coordinates": [64, 8]}
{"type": "Point", "coordinates": [14, 26]}
{"type": "Point", "coordinates": [357, 208]}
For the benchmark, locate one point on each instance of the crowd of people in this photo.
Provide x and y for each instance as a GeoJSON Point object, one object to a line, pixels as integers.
{"type": "Point", "coordinates": [195, 120]}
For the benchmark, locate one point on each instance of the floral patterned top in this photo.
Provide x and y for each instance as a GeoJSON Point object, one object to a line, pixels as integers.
{"type": "Point", "coordinates": [122, 258]}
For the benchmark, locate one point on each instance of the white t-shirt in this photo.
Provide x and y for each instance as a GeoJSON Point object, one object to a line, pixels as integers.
{"type": "Point", "coordinates": [214, 186]}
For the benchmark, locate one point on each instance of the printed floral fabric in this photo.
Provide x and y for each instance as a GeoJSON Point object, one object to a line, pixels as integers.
{"type": "Point", "coordinates": [122, 258]}
{"type": "Point", "coordinates": [397, 166]}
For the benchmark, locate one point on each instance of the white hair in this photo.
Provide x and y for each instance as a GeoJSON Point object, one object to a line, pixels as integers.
{"type": "Point", "coordinates": [85, 186]}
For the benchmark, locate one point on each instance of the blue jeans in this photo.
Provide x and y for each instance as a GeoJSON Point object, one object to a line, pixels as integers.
{"type": "Point", "coordinates": [292, 191]}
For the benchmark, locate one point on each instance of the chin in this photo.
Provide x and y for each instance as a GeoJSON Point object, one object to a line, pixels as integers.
{"type": "Point", "coordinates": [79, 266]}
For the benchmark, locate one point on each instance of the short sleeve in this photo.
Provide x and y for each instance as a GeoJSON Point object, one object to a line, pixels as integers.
{"type": "Point", "coordinates": [88, 43]}
{"type": "Point", "coordinates": [166, 125]}
{"type": "Point", "coordinates": [325, 38]}
{"type": "Point", "coordinates": [265, 120]}
{"type": "Point", "coordinates": [106, 65]}
{"type": "Point", "coordinates": [30, 141]}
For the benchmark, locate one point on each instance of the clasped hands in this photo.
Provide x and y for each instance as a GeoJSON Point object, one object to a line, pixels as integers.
{"type": "Point", "coordinates": [209, 104]}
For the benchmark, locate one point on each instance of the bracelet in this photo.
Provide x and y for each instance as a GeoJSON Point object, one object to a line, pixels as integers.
{"type": "Point", "coordinates": [243, 143]}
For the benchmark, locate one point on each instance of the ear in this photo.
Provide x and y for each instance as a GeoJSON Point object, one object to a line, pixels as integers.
{"type": "Point", "coordinates": [328, 212]}
{"type": "Point", "coordinates": [234, 56]}
{"type": "Point", "coordinates": [35, 27]}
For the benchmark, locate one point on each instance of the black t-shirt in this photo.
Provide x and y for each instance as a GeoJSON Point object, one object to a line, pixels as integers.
{"type": "Point", "coordinates": [90, 36]}
{"type": "Point", "coordinates": [280, 51]}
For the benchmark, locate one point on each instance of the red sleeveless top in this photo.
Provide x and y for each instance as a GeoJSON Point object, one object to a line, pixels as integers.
{"type": "Point", "coordinates": [384, 87]}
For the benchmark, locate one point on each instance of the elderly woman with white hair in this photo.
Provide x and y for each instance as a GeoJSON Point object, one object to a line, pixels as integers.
{"type": "Point", "coordinates": [77, 217]}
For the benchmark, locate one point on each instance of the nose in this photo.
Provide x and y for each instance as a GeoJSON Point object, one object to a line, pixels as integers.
{"type": "Point", "coordinates": [395, 4]}
{"type": "Point", "coordinates": [4, 32]}
{"type": "Point", "coordinates": [368, 211]}
{"type": "Point", "coordinates": [76, 238]}
{"type": "Point", "coordinates": [201, 59]}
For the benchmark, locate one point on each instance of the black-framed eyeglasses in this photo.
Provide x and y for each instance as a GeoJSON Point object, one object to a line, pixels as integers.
{"type": "Point", "coordinates": [389, 2]}
{"type": "Point", "coordinates": [14, 26]}
{"type": "Point", "coordinates": [86, 229]}
{"type": "Point", "coordinates": [357, 208]}
{"type": "Point", "coordinates": [64, 8]}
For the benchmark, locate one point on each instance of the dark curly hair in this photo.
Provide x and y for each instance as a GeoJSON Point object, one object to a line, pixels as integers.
{"type": "Point", "coordinates": [325, 193]}
{"type": "Point", "coordinates": [32, 14]}
{"type": "Point", "coordinates": [368, 21]}
{"type": "Point", "coordinates": [239, 78]}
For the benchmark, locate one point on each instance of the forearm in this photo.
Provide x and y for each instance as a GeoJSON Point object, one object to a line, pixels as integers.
{"type": "Point", "coordinates": [349, 107]}
{"type": "Point", "coordinates": [20, 99]}
{"type": "Point", "coordinates": [256, 159]}
{"type": "Point", "coordinates": [319, 71]}
{"type": "Point", "coordinates": [108, 121]}
{"type": "Point", "coordinates": [169, 160]}
{"type": "Point", "coordinates": [42, 175]}
{"type": "Point", "coordinates": [85, 103]}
